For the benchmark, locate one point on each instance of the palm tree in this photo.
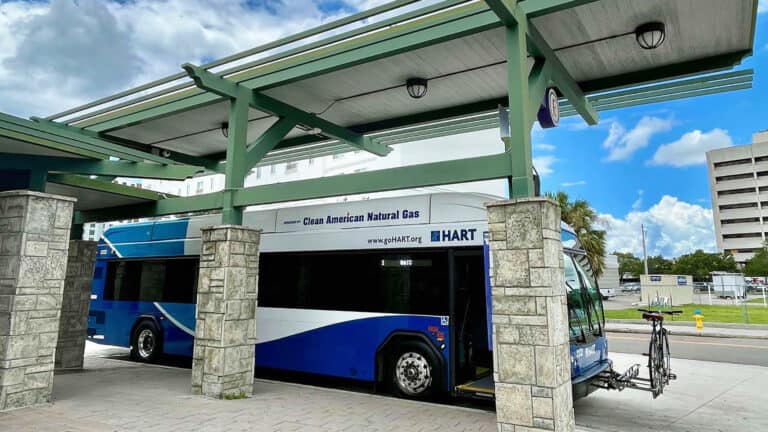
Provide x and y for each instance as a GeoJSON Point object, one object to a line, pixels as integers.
{"type": "Point", "coordinates": [582, 218]}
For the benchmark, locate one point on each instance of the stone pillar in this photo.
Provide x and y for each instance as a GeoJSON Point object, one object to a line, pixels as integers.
{"type": "Point", "coordinates": [531, 356]}
{"type": "Point", "coordinates": [225, 332]}
{"type": "Point", "coordinates": [76, 300]}
{"type": "Point", "coordinates": [34, 235]}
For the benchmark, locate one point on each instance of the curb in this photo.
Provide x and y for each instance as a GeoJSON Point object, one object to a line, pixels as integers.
{"type": "Point", "coordinates": [738, 326]}
{"type": "Point", "coordinates": [685, 332]}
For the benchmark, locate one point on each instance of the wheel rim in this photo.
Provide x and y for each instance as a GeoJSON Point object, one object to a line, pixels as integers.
{"type": "Point", "coordinates": [146, 343]}
{"type": "Point", "coordinates": [413, 373]}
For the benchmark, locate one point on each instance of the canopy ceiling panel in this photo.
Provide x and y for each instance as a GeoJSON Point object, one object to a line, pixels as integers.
{"type": "Point", "coordinates": [595, 41]}
{"type": "Point", "coordinates": [10, 145]}
{"type": "Point", "coordinates": [89, 199]}
{"type": "Point", "coordinates": [695, 29]}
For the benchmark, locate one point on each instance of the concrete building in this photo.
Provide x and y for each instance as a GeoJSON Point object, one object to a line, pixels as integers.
{"type": "Point", "coordinates": [738, 182]}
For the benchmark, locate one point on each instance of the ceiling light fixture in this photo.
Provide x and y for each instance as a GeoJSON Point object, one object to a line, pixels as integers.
{"type": "Point", "coordinates": [417, 87]}
{"type": "Point", "coordinates": [650, 35]}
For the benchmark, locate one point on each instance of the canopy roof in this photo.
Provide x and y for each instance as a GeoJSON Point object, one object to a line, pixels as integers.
{"type": "Point", "coordinates": [356, 79]}
{"type": "Point", "coordinates": [340, 87]}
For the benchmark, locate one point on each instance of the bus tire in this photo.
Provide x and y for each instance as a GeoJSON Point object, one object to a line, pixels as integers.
{"type": "Point", "coordinates": [414, 371]}
{"type": "Point", "coordinates": [146, 342]}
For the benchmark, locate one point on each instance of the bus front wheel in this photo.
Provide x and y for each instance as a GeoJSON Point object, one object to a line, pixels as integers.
{"type": "Point", "coordinates": [146, 343]}
{"type": "Point", "coordinates": [414, 370]}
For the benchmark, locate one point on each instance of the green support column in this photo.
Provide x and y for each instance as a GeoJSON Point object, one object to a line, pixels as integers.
{"type": "Point", "coordinates": [37, 179]}
{"type": "Point", "coordinates": [518, 144]}
{"type": "Point", "coordinates": [236, 162]}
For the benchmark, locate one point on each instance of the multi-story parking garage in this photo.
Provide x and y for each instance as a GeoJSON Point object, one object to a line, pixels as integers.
{"type": "Point", "coordinates": [738, 181]}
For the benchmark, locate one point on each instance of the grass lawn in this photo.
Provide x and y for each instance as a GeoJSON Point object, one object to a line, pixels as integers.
{"type": "Point", "coordinates": [723, 314]}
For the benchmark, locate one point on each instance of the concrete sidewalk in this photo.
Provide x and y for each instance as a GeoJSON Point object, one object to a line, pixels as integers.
{"type": "Point", "coordinates": [116, 395]}
{"type": "Point", "coordinates": [689, 329]}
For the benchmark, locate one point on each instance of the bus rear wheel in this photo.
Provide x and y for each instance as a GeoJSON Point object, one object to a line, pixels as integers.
{"type": "Point", "coordinates": [146, 343]}
{"type": "Point", "coordinates": [414, 371]}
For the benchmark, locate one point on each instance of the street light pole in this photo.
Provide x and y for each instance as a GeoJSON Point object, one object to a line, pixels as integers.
{"type": "Point", "coordinates": [645, 255]}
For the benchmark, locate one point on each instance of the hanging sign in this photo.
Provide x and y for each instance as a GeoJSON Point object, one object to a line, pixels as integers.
{"type": "Point", "coordinates": [549, 111]}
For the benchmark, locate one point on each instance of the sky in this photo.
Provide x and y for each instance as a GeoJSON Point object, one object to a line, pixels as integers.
{"type": "Point", "coordinates": [640, 165]}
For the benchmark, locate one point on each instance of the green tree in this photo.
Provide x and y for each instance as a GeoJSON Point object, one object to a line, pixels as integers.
{"type": "Point", "coordinates": [659, 265]}
{"type": "Point", "coordinates": [758, 264]}
{"type": "Point", "coordinates": [583, 218]}
{"type": "Point", "coordinates": [629, 264]}
{"type": "Point", "coordinates": [700, 264]}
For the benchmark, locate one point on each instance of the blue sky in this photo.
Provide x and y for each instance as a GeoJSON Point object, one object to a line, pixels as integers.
{"type": "Point", "coordinates": [641, 165]}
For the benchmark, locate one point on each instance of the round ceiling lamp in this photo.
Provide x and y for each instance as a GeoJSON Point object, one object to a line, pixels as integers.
{"type": "Point", "coordinates": [650, 35]}
{"type": "Point", "coordinates": [417, 87]}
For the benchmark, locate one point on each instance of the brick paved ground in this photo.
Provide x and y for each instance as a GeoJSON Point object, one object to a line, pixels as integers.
{"type": "Point", "coordinates": [114, 395]}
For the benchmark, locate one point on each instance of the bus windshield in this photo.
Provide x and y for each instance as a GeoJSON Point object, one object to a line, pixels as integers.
{"type": "Point", "coordinates": [585, 309]}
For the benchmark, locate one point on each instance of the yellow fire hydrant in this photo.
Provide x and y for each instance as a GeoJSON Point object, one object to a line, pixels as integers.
{"type": "Point", "coordinates": [699, 318]}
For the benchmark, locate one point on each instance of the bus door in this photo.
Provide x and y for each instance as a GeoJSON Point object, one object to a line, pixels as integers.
{"type": "Point", "coordinates": [472, 357]}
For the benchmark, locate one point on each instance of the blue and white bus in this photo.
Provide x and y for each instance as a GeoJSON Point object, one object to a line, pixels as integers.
{"type": "Point", "coordinates": [393, 291]}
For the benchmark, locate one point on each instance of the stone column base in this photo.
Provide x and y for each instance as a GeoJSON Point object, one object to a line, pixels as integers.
{"type": "Point", "coordinates": [225, 332]}
{"type": "Point", "coordinates": [34, 238]}
{"type": "Point", "coordinates": [76, 300]}
{"type": "Point", "coordinates": [531, 355]}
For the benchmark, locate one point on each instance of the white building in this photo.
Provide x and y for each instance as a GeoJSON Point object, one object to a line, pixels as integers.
{"type": "Point", "coordinates": [738, 182]}
{"type": "Point", "coordinates": [453, 147]}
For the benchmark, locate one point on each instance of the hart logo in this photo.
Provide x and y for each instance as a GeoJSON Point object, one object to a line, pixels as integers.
{"type": "Point", "coordinates": [453, 235]}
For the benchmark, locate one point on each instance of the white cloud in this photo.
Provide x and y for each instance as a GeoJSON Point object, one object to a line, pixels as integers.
{"type": "Point", "coordinates": [673, 227]}
{"type": "Point", "coordinates": [621, 143]}
{"type": "Point", "coordinates": [56, 55]}
{"type": "Point", "coordinates": [543, 164]}
{"type": "Point", "coordinates": [762, 6]}
{"type": "Point", "coordinates": [691, 148]}
{"type": "Point", "coordinates": [573, 183]}
{"type": "Point", "coordinates": [639, 201]}
{"type": "Point", "coordinates": [544, 147]}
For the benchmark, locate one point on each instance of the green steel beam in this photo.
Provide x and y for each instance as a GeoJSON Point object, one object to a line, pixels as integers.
{"type": "Point", "coordinates": [518, 145]}
{"type": "Point", "coordinates": [511, 13]}
{"type": "Point", "coordinates": [163, 207]}
{"type": "Point", "coordinates": [103, 186]}
{"type": "Point", "coordinates": [404, 121]}
{"type": "Point", "coordinates": [667, 98]}
{"type": "Point", "coordinates": [50, 143]}
{"type": "Point", "coordinates": [431, 174]}
{"type": "Point", "coordinates": [640, 89]}
{"type": "Point", "coordinates": [37, 179]}
{"type": "Point", "coordinates": [559, 74]}
{"type": "Point", "coordinates": [678, 70]}
{"type": "Point", "coordinates": [235, 170]}
{"type": "Point", "coordinates": [260, 101]}
{"type": "Point", "coordinates": [267, 141]}
{"type": "Point", "coordinates": [97, 167]}
{"type": "Point", "coordinates": [112, 149]}
{"type": "Point", "coordinates": [669, 91]}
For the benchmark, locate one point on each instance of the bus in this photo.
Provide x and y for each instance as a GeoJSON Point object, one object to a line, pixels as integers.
{"type": "Point", "coordinates": [391, 291]}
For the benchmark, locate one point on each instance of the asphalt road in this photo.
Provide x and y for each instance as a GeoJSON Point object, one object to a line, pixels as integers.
{"type": "Point", "coordinates": [727, 350]}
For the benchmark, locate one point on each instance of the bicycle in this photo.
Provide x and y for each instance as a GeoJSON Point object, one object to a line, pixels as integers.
{"type": "Point", "coordinates": [659, 362]}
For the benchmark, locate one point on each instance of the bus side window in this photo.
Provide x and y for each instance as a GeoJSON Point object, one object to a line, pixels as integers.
{"type": "Point", "coordinates": [172, 281]}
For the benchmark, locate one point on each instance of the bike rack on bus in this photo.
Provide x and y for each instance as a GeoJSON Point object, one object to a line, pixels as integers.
{"type": "Point", "coordinates": [610, 379]}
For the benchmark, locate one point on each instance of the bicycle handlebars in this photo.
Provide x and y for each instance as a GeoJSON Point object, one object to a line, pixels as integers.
{"type": "Point", "coordinates": [671, 312]}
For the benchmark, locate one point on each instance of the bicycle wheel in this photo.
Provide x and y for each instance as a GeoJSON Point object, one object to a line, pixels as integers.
{"type": "Point", "coordinates": [667, 358]}
{"type": "Point", "coordinates": [655, 364]}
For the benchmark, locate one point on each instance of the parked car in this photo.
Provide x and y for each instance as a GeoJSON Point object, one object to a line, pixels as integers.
{"type": "Point", "coordinates": [631, 287]}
